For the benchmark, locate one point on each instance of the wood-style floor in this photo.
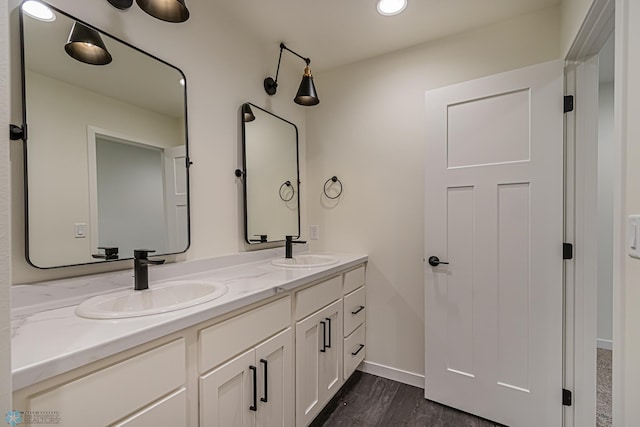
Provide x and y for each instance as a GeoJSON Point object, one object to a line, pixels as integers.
{"type": "Point", "coordinates": [368, 400]}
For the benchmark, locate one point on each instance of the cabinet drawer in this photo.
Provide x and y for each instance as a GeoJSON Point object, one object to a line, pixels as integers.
{"type": "Point", "coordinates": [354, 343]}
{"type": "Point", "coordinates": [354, 311]}
{"type": "Point", "coordinates": [223, 341]}
{"type": "Point", "coordinates": [353, 279]}
{"type": "Point", "coordinates": [155, 373]}
{"type": "Point", "coordinates": [314, 298]}
{"type": "Point", "coordinates": [170, 411]}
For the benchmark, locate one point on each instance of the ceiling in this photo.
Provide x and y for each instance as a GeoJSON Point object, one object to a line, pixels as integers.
{"type": "Point", "coordinates": [336, 32]}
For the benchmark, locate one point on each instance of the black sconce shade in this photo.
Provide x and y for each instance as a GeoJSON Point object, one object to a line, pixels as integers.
{"type": "Point", "coordinates": [307, 94]}
{"type": "Point", "coordinates": [121, 4]}
{"type": "Point", "coordinates": [247, 114]}
{"type": "Point", "coordinates": [165, 10]}
{"type": "Point", "coordinates": [86, 45]}
{"type": "Point", "coordinates": [307, 91]}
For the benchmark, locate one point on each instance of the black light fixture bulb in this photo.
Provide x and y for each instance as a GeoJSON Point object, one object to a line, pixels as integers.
{"type": "Point", "coordinates": [307, 94]}
{"type": "Point", "coordinates": [86, 45]}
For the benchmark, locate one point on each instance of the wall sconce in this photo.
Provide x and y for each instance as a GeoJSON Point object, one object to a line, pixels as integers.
{"type": "Point", "coordinates": [247, 114]}
{"type": "Point", "coordinates": [306, 92]}
{"type": "Point", "coordinates": [86, 45]}
{"type": "Point", "coordinates": [165, 10]}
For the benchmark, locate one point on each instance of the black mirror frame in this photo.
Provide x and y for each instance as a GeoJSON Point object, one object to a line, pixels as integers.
{"type": "Point", "coordinates": [25, 138]}
{"type": "Point", "coordinates": [242, 174]}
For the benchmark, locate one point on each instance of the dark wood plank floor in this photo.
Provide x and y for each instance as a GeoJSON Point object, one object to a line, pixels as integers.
{"type": "Point", "coordinates": [368, 400]}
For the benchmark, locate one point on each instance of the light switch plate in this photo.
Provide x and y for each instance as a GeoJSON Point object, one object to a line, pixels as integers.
{"type": "Point", "coordinates": [80, 230]}
{"type": "Point", "coordinates": [633, 236]}
{"type": "Point", "coordinates": [314, 232]}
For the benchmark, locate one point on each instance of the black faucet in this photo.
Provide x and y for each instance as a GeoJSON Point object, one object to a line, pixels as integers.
{"type": "Point", "coordinates": [140, 271]}
{"type": "Point", "coordinates": [288, 246]}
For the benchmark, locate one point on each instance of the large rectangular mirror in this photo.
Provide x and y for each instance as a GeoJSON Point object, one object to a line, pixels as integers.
{"type": "Point", "coordinates": [106, 160]}
{"type": "Point", "coordinates": [271, 176]}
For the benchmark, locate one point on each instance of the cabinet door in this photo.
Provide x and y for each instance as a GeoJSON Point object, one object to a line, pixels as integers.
{"type": "Point", "coordinates": [226, 394]}
{"type": "Point", "coordinates": [276, 396]}
{"type": "Point", "coordinates": [317, 366]}
{"type": "Point", "coordinates": [330, 377]}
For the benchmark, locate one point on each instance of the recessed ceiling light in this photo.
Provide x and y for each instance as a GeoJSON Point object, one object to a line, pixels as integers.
{"type": "Point", "coordinates": [391, 7]}
{"type": "Point", "coordinates": [38, 10]}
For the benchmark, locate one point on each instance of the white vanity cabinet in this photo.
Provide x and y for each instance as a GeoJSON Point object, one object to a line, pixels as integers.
{"type": "Point", "coordinates": [274, 363]}
{"type": "Point", "coordinates": [319, 343]}
{"type": "Point", "coordinates": [246, 366]}
{"type": "Point", "coordinates": [108, 396]}
{"type": "Point", "coordinates": [354, 320]}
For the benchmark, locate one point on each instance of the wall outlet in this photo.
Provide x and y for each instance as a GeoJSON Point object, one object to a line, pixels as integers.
{"type": "Point", "coordinates": [314, 232]}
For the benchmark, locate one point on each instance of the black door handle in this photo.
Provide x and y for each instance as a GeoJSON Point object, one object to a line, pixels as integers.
{"type": "Point", "coordinates": [254, 407]}
{"type": "Point", "coordinates": [264, 399]}
{"type": "Point", "coordinates": [329, 321]}
{"type": "Point", "coordinates": [434, 261]}
{"type": "Point", "coordinates": [324, 337]}
{"type": "Point", "coordinates": [360, 308]}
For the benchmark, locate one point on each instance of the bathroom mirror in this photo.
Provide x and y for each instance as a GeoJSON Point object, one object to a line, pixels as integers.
{"type": "Point", "coordinates": [271, 176]}
{"type": "Point", "coordinates": [105, 152]}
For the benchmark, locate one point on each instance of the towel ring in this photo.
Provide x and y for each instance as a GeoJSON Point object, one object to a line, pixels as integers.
{"type": "Point", "coordinates": [330, 181]}
{"type": "Point", "coordinates": [283, 186]}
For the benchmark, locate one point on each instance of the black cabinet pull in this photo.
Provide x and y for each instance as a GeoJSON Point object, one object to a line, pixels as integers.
{"type": "Point", "coordinates": [254, 407]}
{"type": "Point", "coordinates": [264, 399]}
{"type": "Point", "coordinates": [358, 350]}
{"type": "Point", "coordinates": [324, 337]}
{"type": "Point", "coordinates": [329, 345]}
{"type": "Point", "coordinates": [358, 310]}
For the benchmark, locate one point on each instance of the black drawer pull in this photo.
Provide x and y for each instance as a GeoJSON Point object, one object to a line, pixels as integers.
{"type": "Point", "coordinates": [355, 353]}
{"type": "Point", "coordinates": [324, 337]}
{"type": "Point", "coordinates": [264, 399]}
{"type": "Point", "coordinates": [360, 308]}
{"type": "Point", "coordinates": [329, 345]}
{"type": "Point", "coordinates": [254, 407]}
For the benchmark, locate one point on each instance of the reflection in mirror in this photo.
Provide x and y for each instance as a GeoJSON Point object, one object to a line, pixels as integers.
{"type": "Point", "coordinates": [271, 179]}
{"type": "Point", "coordinates": [106, 157]}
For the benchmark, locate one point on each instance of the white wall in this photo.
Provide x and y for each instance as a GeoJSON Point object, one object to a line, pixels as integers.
{"type": "Point", "coordinates": [224, 66]}
{"type": "Point", "coordinates": [573, 13]}
{"type": "Point", "coordinates": [605, 215]}
{"type": "Point", "coordinates": [5, 224]}
{"type": "Point", "coordinates": [626, 393]}
{"type": "Point", "coordinates": [369, 131]}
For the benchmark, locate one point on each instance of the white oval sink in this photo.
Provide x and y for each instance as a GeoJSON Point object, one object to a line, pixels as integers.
{"type": "Point", "coordinates": [159, 298]}
{"type": "Point", "coordinates": [305, 261]}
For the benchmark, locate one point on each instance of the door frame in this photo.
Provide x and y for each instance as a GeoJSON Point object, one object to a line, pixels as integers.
{"type": "Point", "coordinates": [580, 325]}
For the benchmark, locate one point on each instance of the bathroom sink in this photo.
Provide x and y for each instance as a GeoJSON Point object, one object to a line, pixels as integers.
{"type": "Point", "coordinates": [305, 261]}
{"type": "Point", "coordinates": [157, 299]}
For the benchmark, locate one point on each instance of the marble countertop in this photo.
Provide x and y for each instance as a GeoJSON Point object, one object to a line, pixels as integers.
{"type": "Point", "coordinates": [48, 338]}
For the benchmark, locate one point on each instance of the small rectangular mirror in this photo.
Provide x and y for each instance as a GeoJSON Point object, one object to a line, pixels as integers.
{"type": "Point", "coordinates": [271, 176]}
{"type": "Point", "coordinates": [106, 159]}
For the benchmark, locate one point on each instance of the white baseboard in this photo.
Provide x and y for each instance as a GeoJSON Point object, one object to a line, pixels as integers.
{"type": "Point", "coordinates": [395, 374]}
{"type": "Point", "coordinates": [606, 344]}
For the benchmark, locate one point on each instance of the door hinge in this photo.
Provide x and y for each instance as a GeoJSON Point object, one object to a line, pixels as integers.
{"type": "Point", "coordinates": [568, 103]}
{"type": "Point", "coordinates": [566, 397]}
{"type": "Point", "coordinates": [567, 251]}
{"type": "Point", "coordinates": [188, 162]}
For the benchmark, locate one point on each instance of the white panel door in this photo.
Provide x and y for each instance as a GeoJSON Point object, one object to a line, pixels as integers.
{"type": "Point", "coordinates": [176, 197]}
{"type": "Point", "coordinates": [494, 211]}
